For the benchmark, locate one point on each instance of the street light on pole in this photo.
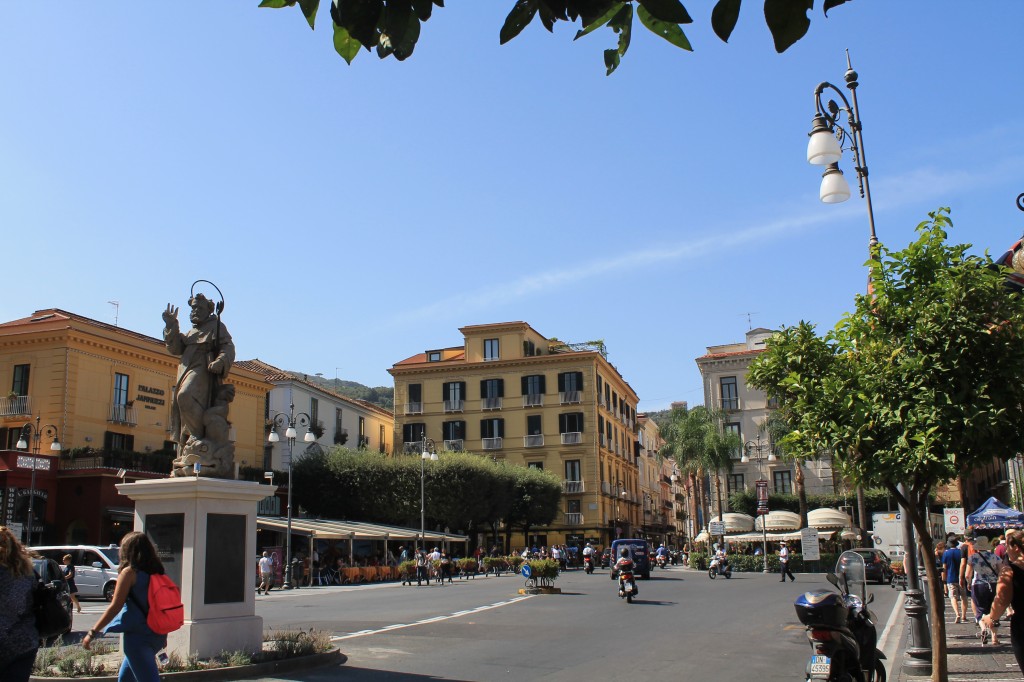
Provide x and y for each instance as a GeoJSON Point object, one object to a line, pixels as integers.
{"type": "Point", "coordinates": [34, 433]}
{"type": "Point", "coordinates": [825, 148]}
{"type": "Point", "coordinates": [426, 452]}
{"type": "Point", "coordinates": [292, 420]}
{"type": "Point", "coordinates": [762, 484]}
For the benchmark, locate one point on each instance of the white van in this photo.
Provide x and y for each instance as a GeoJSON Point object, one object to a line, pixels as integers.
{"type": "Point", "coordinates": [95, 567]}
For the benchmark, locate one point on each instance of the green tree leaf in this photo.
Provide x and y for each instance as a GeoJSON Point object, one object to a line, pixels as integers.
{"type": "Point", "coordinates": [309, 8]}
{"type": "Point", "coordinates": [669, 31]}
{"type": "Point", "coordinates": [518, 19]}
{"type": "Point", "coordinates": [277, 4]}
{"type": "Point", "coordinates": [787, 20]}
{"type": "Point", "coordinates": [599, 21]}
{"type": "Point", "coordinates": [671, 11]}
{"type": "Point", "coordinates": [724, 17]}
{"type": "Point", "coordinates": [344, 44]}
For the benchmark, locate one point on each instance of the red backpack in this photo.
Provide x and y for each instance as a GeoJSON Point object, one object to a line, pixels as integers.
{"type": "Point", "coordinates": [166, 612]}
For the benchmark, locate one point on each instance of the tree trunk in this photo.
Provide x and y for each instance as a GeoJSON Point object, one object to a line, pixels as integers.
{"type": "Point", "coordinates": [718, 492]}
{"type": "Point", "coordinates": [862, 513]}
{"type": "Point", "coordinates": [936, 598]}
{"type": "Point", "coordinates": [801, 493]}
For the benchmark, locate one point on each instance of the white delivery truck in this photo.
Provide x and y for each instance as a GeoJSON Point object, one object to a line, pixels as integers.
{"type": "Point", "coordinates": [887, 532]}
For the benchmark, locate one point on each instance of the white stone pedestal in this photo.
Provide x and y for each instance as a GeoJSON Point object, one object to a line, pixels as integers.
{"type": "Point", "coordinates": [205, 532]}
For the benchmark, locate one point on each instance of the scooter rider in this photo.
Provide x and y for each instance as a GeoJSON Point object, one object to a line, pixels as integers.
{"type": "Point", "coordinates": [720, 557]}
{"type": "Point", "coordinates": [661, 555]}
{"type": "Point", "coordinates": [625, 565]}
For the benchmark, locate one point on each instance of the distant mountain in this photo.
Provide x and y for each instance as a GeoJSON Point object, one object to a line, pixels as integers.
{"type": "Point", "coordinates": [379, 395]}
{"type": "Point", "coordinates": [659, 417]}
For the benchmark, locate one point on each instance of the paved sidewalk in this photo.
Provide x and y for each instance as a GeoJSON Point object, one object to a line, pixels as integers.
{"type": "Point", "coordinates": [968, 660]}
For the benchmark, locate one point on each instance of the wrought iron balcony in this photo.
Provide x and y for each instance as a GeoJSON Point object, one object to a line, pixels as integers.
{"type": "Point", "coordinates": [533, 400]}
{"type": "Point", "coordinates": [453, 405]}
{"type": "Point", "coordinates": [570, 397]}
{"type": "Point", "coordinates": [453, 445]}
{"type": "Point", "coordinates": [122, 414]}
{"type": "Point", "coordinates": [15, 406]}
{"type": "Point", "coordinates": [490, 403]}
{"type": "Point", "coordinates": [572, 487]}
{"type": "Point", "coordinates": [572, 438]}
{"type": "Point", "coordinates": [534, 441]}
{"type": "Point", "coordinates": [572, 519]}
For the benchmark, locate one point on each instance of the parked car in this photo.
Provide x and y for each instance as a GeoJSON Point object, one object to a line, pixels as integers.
{"type": "Point", "coordinates": [877, 566]}
{"type": "Point", "coordinates": [95, 567]}
{"type": "Point", "coordinates": [49, 571]}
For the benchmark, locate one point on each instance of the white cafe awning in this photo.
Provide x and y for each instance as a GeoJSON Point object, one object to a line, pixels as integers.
{"type": "Point", "coordinates": [828, 518]}
{"type": "Point", "coordinates": [737, 523]}
{"type": "Point", "coordinates": [778, 521]}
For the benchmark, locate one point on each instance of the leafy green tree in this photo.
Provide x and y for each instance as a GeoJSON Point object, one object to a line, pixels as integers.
{"type": "Point", "coordinates": [392, 27]}
{"type": "Point", "coordinates": [536, 494]}
{"type": "Point", "coordinates": [922, 383]}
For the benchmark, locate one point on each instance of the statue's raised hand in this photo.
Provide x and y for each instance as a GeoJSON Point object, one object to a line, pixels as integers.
{"type": "Point", "coordinates": [170, 315]}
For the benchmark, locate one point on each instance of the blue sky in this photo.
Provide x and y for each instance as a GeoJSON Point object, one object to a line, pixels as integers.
{"type": "Point", "coordinates": [356, 215]}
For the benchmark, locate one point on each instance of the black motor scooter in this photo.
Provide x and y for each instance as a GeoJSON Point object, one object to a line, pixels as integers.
{"type": "Point", "coordinates": [840, 628]}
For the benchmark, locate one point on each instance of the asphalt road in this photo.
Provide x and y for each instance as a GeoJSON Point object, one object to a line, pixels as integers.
{"type": "Point", "coordinates": [682, 626]}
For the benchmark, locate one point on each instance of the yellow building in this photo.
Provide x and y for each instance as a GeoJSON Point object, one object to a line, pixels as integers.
{"type": "Point", "coordinates": [106, 389]}
{"type": "Point", "coordinates": [511, 394]}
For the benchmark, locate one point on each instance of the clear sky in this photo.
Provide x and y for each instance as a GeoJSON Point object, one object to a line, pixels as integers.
{"type": "Point", "coordinates": [356, 215]}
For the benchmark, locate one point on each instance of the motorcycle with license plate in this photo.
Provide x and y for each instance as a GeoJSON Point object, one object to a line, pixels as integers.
{"type": "Point", "coordinates": [627, 585]}
{"type": "Point", "coordinates": [588, 563]}
{"type": "Point", "coordinates": [840, 628]}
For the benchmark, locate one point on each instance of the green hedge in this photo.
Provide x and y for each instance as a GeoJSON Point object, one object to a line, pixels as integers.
{"type": "Point", "coordinates": [745, 563]}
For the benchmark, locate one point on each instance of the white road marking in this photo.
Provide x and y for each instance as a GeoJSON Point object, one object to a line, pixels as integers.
{"type": "Point", "coordinates": [435, 619]}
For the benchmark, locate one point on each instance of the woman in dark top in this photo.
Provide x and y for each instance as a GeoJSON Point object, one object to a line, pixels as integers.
{"type": "Point", "coordinates": [127, 611]}
{"type": "Point", "coordinates": [19, 639]}
{"type": "Point", "coordinates": [69, 577]}
{"type": "Point", "coordinates": [1010, 592]}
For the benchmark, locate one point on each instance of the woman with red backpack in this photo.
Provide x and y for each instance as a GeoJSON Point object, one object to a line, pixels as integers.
{"type": "Point", "coordinates": [128, 610]}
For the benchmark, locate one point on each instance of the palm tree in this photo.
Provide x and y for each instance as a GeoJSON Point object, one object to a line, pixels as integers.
{"type": "Point", "coordinates": [776, 427]}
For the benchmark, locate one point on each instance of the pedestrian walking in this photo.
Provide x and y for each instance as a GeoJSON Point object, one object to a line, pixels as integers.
{"type": "Point", "coordinates": [266, 566]}
{"type": "Point", "coordinates": [1010, 592]}
{"type": "Point", "coordinates": [19, 639]}
{"type": "Point", "coordinates": [421, 567]}
{"type": "Point", "coordinates": [951, 559]}
{"type": "Point", "coordinates": [69, 577]}
{"type": "Point", "coordinates": [983, 575]}
{"type": "Point", "coordinates": [784, 563]}
{"type": "Point", "coordinates": [138, 561]}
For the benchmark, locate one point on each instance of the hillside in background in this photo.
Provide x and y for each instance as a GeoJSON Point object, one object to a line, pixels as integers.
{"type": "Point", "coordinates": [378, 395]}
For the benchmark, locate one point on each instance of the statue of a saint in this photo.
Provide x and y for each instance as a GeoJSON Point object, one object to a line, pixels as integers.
{"type": "Point", "coordinates": [199, 401]}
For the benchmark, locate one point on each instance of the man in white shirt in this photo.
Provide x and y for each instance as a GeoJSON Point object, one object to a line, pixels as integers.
{"type": "Point", "coordinates": [266, 567]}
{"type": "Point", "coordinates": [784, 563]}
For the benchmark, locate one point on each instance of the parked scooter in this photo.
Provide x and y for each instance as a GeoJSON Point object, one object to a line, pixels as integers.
{"type": "Point", "coordinates": [840, 628]}
{"type": "Point", "coordinates": [719, 566]}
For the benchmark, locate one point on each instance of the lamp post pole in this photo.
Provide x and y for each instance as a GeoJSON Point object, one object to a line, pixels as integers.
{"type": "Point", "coordinates": [825, 148]}
{"type": "Point", "coordinates": [291, 420]}
{"type": "Point", "coordinates": [426, 452]}
{"type": "Point", "coordinates": [760, 458]}
{"type": "Point", "coordinates": [34, 433]}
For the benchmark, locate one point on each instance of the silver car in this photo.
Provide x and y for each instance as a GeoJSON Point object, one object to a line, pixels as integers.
{"type": "Point", "coordinates": [95, 567]}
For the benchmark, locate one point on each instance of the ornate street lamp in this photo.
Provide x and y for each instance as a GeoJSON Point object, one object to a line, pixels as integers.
{"type": "Point", "coordinates": [825, 148]}
{"type": "Point", "coordinates": [33, 433]}
{"type": "Point", "coordinates": [292, 420]}
{"type": "Point", "coordinates": [760, 458]}
{"type": "Point", "coordinates": [427, 451]}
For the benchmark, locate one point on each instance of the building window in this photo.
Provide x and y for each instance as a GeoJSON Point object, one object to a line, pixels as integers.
{"type": "Point", "coordinates": [730, 393]}
{"type": "Point", "coordinates": [314, 412]}
{"type": "Point", "coordinates": [120, 389]}
{"type": "Point", "coordinates": [413, 435]}
{"type": "Point", "coordinates": [118, 441]}
{"type": "Point", "coordinates": [570, 426]}
{"type": "Point", "coordinates": [492, 428]}
{"type": "Point", "coordinates": [383, 438]}
{"type": "Point", "coordinates": [573, 506]}
{"type": "Point", "coordinates": [363, 440]}
{"type": "Point", "coordinates": [533, 425]}
{"type": "Point", "coordinates": [340, 435]}
{"type": "Point", "coordinates": [570, 387]}
{"type": "Point", "coordinates": [573, 471]}
{"type": "Point", "coordinates": [533, 385]}
{"type": "Point", "coordinates": [535, 465]}
{"type": "Point", "coordinates": [454, 430]}
{"type": "Point", "coordinates": [434, 356]}
{"type": "Point", "coordinates": [783, 482]}
{"type": "Point", "coordinates": [735, 483]}
{"type": "Point", "coordinates": [733, 428]}
{"type": "Point", "coordinates": [454, 396]}
{"type": "Point", "coordinates": [491, 351]}
{"type": "Point", "coordinates": [491, 393]}
{"type": "Point", "coordinates": [529, 348]}
{"type": "Point", "coordinates": [19, 386]}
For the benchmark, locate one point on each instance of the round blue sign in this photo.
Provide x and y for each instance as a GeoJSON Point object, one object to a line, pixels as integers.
{"type": "Point", "coordinates": [525, 570]}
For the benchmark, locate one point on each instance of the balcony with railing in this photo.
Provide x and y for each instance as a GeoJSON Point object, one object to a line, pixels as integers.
{"type": "Point", "coordinates": [573, 519]}
{"type": "Point", "coordinates": [453, 445]}
{"type": "Point", "coordinates": [570, 397]}
{"type": "Point", "coordinates": [414, 408]}
{"type": "Point", "coordinates": [490, 443]}
{"type": "Point", "coordinates": [533, 400]}
{"type": "Point", "coordinates": [730, 404]}
{"type": "Point", "coordinates": [572, 487]}
{"type": "Point", "coordinates": [534, 441]}
{"type": "Point", "coordinates": [490, 403]}
{"type": "Point", "coordinates": [15, 406]}
{"type": "Point", "coordinates": [453, 405]}
{"type": "Point", "coordinates": [572, 438]}
{"type": "Point", "coordinates": [604, 442]}
{"type": "Point", "coordinates": [122, 414]}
